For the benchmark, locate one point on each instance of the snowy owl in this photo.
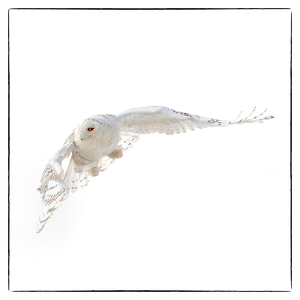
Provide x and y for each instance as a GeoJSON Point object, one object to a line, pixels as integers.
{"type": "Point", "coordinates": [99, 140]}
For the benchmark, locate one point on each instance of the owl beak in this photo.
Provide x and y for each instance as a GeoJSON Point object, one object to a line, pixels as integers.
{"type": "Point", "coordinates": [86, 138]}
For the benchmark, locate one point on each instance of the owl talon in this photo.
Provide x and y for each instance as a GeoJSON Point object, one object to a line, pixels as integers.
{"type": "Point", "coordinates": [94, 171]}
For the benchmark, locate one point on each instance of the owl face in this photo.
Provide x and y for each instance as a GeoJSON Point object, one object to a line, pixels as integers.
{"type": "Point", "coordinates": [89, 130]}
{"type": "Point", "coordinates": [96, 136]}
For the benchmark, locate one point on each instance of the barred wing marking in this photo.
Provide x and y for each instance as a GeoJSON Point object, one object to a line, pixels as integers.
{"type": "Point", "coordinates": [145, 120]}
{"type": "Point", "coordinates": [53, 189]}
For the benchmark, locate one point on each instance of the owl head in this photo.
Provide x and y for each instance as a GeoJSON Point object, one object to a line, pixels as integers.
{"type": "Point", "coordinates": [96, 136]}
{"type": "Point", "coordinates": [89, 130]}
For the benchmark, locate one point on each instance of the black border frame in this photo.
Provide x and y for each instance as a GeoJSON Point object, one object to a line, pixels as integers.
{"type": "Point", "coordinates": [291, 273]}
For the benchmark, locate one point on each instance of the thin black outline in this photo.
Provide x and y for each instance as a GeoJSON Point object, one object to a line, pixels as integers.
{"type": "Point", "coordinates": [291, 203]}
{"type": "Point", "coordinates": [146, 8]}
{"type": "Point", "coordinates": [8, 219]}
{"type": "Point", "coordinates": [206, 291]}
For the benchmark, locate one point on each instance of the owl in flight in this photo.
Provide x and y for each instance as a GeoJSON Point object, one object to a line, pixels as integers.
{"type": "Point", "coordinates": [99, 140]}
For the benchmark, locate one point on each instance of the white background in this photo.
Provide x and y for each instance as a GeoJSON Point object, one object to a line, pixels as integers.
{"type": "Point", "coordinates": [206, 210]}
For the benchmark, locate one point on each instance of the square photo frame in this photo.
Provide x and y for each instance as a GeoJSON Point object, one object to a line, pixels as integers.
{"type": "Point", "coordinates": [209, 210]}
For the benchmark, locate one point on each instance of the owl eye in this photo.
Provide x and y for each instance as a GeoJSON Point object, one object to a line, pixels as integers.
{"type": "Point", "coordinates": [90, 129]}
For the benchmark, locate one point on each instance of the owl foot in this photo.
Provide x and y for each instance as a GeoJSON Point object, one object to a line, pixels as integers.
{"type": "Point", "coordinates": [94, 171]}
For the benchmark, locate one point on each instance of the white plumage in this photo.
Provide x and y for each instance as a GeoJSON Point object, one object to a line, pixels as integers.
{"type": "Point", "coordinates": [99, 140]}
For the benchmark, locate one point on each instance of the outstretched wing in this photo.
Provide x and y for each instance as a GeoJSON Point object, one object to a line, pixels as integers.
{"type": "Point", "coordinates": [144, 120]}
{"type": "Point", "coordinates": [53, 189]}
{"type": "Point", "coordinates": [57, 185]}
